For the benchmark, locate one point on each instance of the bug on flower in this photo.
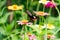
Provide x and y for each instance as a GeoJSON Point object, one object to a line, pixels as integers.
{"type": "Point", "coordinates": [30, 15]}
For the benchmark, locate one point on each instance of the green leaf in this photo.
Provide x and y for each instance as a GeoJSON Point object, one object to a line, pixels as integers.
{"type": "Point", "coordinates": [57, 1]}
{"type": "Point", "coordinates": [2, 30]}
{"type": "Point", "coordinates": [26, 37]}
{"type": "Point", "coordinates": [14, 37]}
{"type": "Point", "coordinates": [9, 27]}
{"type": "Point", "coordinates": [1, 11]}
{"type": "Point", "coordinates": [1, 37]}
{"type": "Point", "coordinates": [4, 18]}
{"type": "Point", "coordinates": [2, 3]}
{"type": "Point", "coordinates": [55, 21]}
{"type": "Point", "coordinates": [34, 28]}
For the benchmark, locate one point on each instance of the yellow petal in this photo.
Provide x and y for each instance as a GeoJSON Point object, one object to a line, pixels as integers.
{"type": "Point", "coordinates": [20, 7]}
{"type": "Point", "coordinates": [10, 7]}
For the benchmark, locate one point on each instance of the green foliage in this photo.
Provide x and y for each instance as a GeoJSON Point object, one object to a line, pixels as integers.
{"type": "Point", "coordinates": [12, 30]}
{"type": "Point", "coordinates": [4, 18]}
{"type": "Point", "coordinates": [2, 3]}
{"type": "Point", "coordinates": [57, 1]}
{"type": "Point", "coordinates": [55, 21]}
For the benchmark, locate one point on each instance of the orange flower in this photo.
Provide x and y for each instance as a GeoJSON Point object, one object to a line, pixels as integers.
{"type": "Point", "coordinates": [41, 13]}
{"type": "Point", "coordinates": [15, 7]}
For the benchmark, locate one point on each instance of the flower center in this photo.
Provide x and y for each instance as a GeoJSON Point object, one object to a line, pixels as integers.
{"type": "Point", "coordinates": [49, 25]}
{"type": "Point", "coordinates": [15, 6]}
{"type": "Point", "coordinates": [43, 0]}
{"type": "Point", "coordinates": [24, 20]}
{"type": "Point", "coordinates": [41, 13]}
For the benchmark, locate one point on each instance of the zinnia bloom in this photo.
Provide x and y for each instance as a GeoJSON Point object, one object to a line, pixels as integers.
{"type": "Point", "coordinates": [41, 13]}
{"type": "Point", "coordinates": [50, 36]}
{"type": "Point", "coordinates": [32, 36]}
{"type": "Point", "coordinates": [50, 26]}
{"type": "Point", "coordinates": [50, 4]}
{"type": "Point", "coordinates": [15, 7]}
{"type": "Point", "coordinates": [43, 1]}
{"type": "Point", "coordinates": [24, 22]}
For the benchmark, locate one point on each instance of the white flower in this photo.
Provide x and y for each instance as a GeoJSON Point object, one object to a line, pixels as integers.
{"type": "Point", "coordinates": [43, 1]}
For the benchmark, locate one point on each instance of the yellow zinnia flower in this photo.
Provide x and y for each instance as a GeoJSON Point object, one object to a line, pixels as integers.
{"type": "Point", "coordinates": [15, 7]}
{"type": "Point", "coordinates": [21, 7]}
{"type": "Point", "coordinates": [50, 26]}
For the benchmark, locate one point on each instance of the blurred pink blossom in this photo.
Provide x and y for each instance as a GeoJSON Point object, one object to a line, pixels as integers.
{"type": "Point", "coordinates": [24, 22]}
{"type": "Point", "coordinates": [51, 36]}
{"type": "Point", "coordinates": [32, 37]}
{"type": "Point", "coordinates": [50, 4]}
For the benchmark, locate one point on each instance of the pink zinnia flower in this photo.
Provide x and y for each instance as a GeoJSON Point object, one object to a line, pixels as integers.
{"type": "Point", "coordinates": [24, 22]}
{"type": "Point", "coordinates": [32, 37]}
{"type": "Point", "coordinates": [40, 13]}
{"type": "Point", "coordinates": [50, 4]}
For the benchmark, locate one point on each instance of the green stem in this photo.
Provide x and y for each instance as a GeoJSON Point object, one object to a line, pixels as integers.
{"type": "Point", "coordinates": [50, 10]}
{"type": "Point", "coordinates": [39, 20]}
{"type": "Point", "coordinates": [0, 4]}
{"type": "Point", "coordinates": [4, 27]}
{"type": "Point", "coordinates": [43, 8]}
{"type": "Point", "coordinates": [38, 7]}
{"type": "Point", "coordinates": [45, 38]}
{"type": "Point", "coordinates": [43, 19]}
{"type": "Point", "coordinates": [46, 22]}
{"type": "Point", "coordinates": [26, 28]}
{"type": "Point", "coordinates": [22, 14]}
{"type": "Point", "coordinates": [31, 4]}
{"type": "Point", "coordinates": [25, 31]}
{"type": "Point", "coordinates": [22, 30]}
{"type": "Point", "coordinates": [57, 31]}
{"type": "Point", "coordinates": [30, 30]}
{"type": "Point", "coordinates": [15, 19]}
{"type": "Point", "coordinates": [26, 17]}
{"type": "Point", "coordinates": [58, 12]}
{"type": "Point", "coordinates": [27, 4]}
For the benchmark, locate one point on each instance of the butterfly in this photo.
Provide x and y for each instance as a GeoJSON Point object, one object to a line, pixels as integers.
{"type": "Point", "coordinates": [32, 17]}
